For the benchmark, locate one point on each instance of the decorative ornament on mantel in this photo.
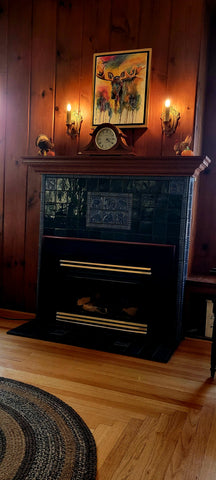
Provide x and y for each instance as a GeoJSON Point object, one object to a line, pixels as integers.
{"type": "Point", "coordinates": [107, 139]}
{"type": "Point", "coordinates": [183, 148]}
{"type": "Point", "coordinates": [45, 145]}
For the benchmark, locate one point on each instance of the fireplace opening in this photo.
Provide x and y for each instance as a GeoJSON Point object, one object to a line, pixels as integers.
{"type": "Point", "coordinates": [109, 295]}
{"type": "Point", "coordinates": [104, 295]}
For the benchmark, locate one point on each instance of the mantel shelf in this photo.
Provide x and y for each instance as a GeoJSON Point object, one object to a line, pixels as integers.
{"type": "Point", "coordinates": [115, 165]}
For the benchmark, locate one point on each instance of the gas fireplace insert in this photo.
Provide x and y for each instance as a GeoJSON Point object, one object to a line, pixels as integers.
{"type": "Point", "coordinates": [109, 295]}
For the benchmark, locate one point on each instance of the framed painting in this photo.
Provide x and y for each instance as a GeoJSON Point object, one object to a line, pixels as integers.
{"type": "Point", "coordinates": [121, 88]}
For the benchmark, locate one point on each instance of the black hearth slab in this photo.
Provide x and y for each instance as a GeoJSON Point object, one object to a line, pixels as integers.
{"type": "Point", "coordinates": [112, 342]}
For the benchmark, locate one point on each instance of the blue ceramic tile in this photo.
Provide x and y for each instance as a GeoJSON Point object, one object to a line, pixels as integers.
{"type": "Point", "coordinates": [160, 211]}
{"type": "Point", "coordinates": [50, 183]}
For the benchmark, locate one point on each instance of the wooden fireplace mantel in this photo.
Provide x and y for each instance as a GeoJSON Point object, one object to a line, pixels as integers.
{"type": "Point", "coordinates": [115, 165]}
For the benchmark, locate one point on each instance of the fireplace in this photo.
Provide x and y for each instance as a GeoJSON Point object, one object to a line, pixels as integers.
{"type": "Point", "coordinates": [114, 244]}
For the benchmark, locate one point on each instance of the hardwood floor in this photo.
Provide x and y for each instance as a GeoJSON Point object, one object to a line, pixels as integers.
{"type": "Point", "coordinates": [150, 420]}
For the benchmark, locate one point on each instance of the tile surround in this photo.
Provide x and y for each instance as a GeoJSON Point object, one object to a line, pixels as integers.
{"type": "Point", "coordinates": [160, 213]}
{"type": "Point", "coordinates": [158, 207]}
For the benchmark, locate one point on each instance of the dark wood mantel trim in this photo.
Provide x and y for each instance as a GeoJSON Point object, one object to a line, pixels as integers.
{"type": "Point", "coordinates": [114, 165]}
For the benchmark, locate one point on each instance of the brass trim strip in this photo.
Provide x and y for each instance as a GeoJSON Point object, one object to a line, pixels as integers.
{"type": "Point", "coordinates": [110, 326]}
{"type": "Point", "coordinates": [101, 326]}
{"type": "Point", "coordinates": [106, 267]}
{"type": "Point", "coordinates": [110, 320]}
{"type": "Point", "coordinates": [105, 264]}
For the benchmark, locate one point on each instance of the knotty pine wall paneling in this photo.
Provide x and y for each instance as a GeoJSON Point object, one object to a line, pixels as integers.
{"type": "Point", "coordinates": [204, 257]}
{"type": "Point", "coordinates": [3, 91]}
{"type": "Point", "coordinates": [96, 38]}
{"type": "Point", "coordinates": [154, 32]}
{"type": "Point", "coordinates": [124, 34]}
{"type": "Point", "coordinates": [68, 70]}
{"type": "Point", "coordinates": [49, 61]}
{"type": "Point", "coordinates": [41, 120]}
{"type": "Point", "coordinates": [199, 124]}
{"type": "Point", "coordinates": [17, 133]}
{"type": "Point", "coordinates": [183, 63]}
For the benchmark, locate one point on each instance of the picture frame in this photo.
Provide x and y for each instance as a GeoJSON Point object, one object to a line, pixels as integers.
{"type": "Point", "coordinates": [121, 88]}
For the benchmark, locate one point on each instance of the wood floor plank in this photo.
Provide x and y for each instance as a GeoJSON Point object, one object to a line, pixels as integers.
{"type": "Point", "coordinates": [208, 468]}
{"type": "Point", "coordinates": [120, 450]}
{"type": "Point", "coordinates": [150, 420]}
{"type": "Point", "coordinates": [106, 436]}
{"type": "Point", "coordinates": [191, 447]}
{"type": "Point", "coordinates": [143, 460]}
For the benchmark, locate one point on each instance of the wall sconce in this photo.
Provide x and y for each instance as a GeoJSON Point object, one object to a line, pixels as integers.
{"type": "Point", "coordinates": [169, 119]}
{"type": "Point", "coordinates": [73, 122]}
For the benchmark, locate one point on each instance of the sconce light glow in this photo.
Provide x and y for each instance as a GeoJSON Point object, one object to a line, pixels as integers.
{"type": "Point", "coordinates": [167, 109]}
{"type": "Point", "coordinates": [68, 121]}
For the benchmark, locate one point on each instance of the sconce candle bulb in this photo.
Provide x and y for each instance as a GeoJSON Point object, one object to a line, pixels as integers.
{"type": "Point", "coordinates": [68, 121]}
{"type": "Point", "coordinates": [167, 109]}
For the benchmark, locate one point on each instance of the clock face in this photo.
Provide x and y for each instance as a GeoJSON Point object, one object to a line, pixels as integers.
{"type": "Point", "coordinates": [105, 138]}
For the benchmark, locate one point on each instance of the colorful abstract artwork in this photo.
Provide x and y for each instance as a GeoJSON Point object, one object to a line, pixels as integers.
{"type": "Point", "coordinates": [121, 88]}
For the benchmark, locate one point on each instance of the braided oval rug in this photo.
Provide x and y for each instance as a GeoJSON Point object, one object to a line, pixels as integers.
{"type": "Point", "coordinates": [42, 438]}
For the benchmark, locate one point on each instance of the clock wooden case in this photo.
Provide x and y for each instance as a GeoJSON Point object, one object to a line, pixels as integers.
{"type": "Point", "coordinates": [107, 139]}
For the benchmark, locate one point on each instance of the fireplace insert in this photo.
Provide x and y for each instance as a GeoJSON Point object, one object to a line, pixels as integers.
{"type": "Point", "coordinates": [109, 291]}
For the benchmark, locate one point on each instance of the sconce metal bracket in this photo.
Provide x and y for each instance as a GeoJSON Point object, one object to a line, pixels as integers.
{"type": "Point", "coordinates": [73, 128]}
{"type": "Point", "coordinates": [169, 126]}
